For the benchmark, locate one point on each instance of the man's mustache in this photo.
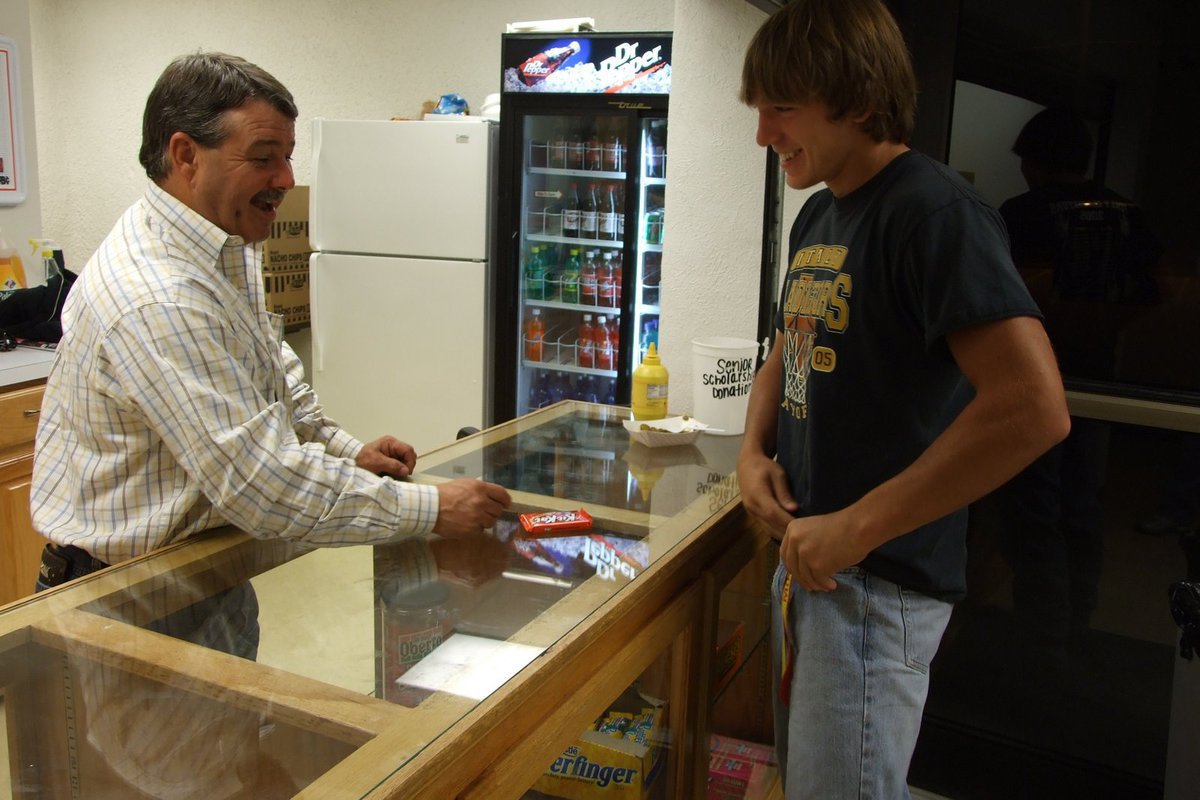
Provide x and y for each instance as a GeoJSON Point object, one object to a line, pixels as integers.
{"type": "Point", "coordinates": [272, 196]}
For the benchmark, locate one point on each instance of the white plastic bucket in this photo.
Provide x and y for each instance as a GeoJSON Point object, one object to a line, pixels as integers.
{"type": "Point", "coordinates": [723, 369]}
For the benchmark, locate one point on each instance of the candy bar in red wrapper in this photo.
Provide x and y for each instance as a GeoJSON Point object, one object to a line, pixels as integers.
{"type": "Point", "coordinates": [551, 523]}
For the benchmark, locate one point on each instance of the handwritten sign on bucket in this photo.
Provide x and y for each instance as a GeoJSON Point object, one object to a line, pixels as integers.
{"type": "Point", "coordinates": [723, 372]}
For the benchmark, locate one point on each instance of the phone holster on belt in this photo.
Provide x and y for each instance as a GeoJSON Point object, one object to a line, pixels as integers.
{"type": "Point", "coordinates": [53, 570]}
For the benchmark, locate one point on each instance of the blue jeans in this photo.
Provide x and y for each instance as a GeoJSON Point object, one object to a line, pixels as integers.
{"type": "Point", "coordinates": [858, 689]}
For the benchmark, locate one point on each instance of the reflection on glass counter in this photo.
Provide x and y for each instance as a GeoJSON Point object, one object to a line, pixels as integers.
{"type": "Point", "coordinates": [587, 456]}
{"type": "Point", "coordinates": [279, 662]}
{"type": "Point", "coordinates": [448, 608]}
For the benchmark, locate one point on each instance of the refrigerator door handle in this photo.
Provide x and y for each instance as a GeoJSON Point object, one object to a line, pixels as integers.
{"type": "Point", "coordinates": [316, 291]}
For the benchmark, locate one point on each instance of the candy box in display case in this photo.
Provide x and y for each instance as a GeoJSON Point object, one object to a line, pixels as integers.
{"type": "Point", "coordinates": [618, 758]}
{"type": "Point", "coordinates": [739, 770]}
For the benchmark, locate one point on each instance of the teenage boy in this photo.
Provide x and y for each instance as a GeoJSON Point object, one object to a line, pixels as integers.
{"type": "Point", "coordinates": [910, 376]}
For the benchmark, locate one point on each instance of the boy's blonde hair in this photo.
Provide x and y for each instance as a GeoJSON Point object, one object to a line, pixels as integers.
{"type": "Point", "coordinates": [848, 54]}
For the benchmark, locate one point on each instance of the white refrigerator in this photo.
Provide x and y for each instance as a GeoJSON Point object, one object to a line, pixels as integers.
{"type": "Point", "coordinates": [400, 219]}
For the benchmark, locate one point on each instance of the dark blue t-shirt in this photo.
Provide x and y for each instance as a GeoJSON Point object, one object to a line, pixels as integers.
{"type": "Point", "coordinates": [875, 282]}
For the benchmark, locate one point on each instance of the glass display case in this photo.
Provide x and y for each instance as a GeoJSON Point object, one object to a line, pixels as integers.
{"type": "Point", "coordinates": [227, 666]}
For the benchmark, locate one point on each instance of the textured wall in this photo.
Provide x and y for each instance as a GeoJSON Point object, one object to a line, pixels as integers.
{"type": "Point", "coordinates": [350, 58]}
{"type": "Point", "coordinates": [376, 58]}
{"type": "Point", "coordinates": [715, 174]}
{"type": "Point", "coordinates": [23, 221]}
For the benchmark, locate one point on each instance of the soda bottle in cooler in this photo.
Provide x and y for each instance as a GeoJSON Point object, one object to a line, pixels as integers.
{"type": "Point", "coordinates": [570, 219]}
{"type": "Point", "coordinates": [549, 257]}
{"type": "Point", "coordinates": [616, 277]}
{"type": "Point", "coordinates": [577, 150]}
{"type": "Point", "coordinates": [569, 277]}
{"type": "Point", "coordinates": [535, 275]}
{"type": "Point", "coordinates": [651, 279]}
{"type": "Point", "coordinates": [560, 387]}
{"type": "Point", "coordinates": [589, 391]}
{"type": "Point", "coordinates": [595, 149]}
{"type": "Point", "coordinates": [535, 335]}
{"type": "Point", "coordinates": [614, 337]}
{"type": "Point", "coordinates": [621, 211]}
{"type": "Point", "coordinates": [558, 147]}
{"type": "Point", "coordinates": [587, 214]}
{"type": "Point", "coordinates": [656, 155]}
{"type": "Point", "coordinates": [614, 150]}
{"type": "Point", "coordinates": [604, 283]}
{"type": "Point", "coordinates": [539, 151]}
{"type": "Point", "coordinates": [539, 390]}
{"type": "Point", "coordinates": [605, 343]}
{"type": "Point", "coordinates": [608, 214]}
{"type": "Point", "coordinates": [588, 279]}
{"type": "Point", "coordinates": [535, 69]}
{"type": "Point", "coordinates": [585, 345]}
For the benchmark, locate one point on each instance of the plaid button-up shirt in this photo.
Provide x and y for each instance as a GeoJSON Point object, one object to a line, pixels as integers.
{"type": "Point", "coordinates": [174, 406]}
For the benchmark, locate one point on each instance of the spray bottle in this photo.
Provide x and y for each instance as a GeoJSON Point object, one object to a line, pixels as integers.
{"type": "Point", "coordinates": [649, 395]}
{"type": "Point", "coordinates": [51, 254]}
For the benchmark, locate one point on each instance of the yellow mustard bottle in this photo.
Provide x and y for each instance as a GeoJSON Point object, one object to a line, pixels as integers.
{"type": "Point", "coordinates": [649, 396]}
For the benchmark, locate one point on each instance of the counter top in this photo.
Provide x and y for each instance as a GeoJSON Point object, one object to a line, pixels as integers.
{"type": "Point", "coordinates": [434, 644]}
{"type": "Point", "coordinates": [24, 364]}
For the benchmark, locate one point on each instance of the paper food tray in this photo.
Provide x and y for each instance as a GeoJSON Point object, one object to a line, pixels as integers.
{"type": "Point", "coordinates": [669, 432]}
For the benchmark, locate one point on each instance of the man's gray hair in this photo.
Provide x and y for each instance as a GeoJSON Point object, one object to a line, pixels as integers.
{"type": "Point", "coordinates": [192, 96]}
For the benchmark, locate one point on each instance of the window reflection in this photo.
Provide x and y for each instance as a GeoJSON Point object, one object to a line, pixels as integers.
{"type": "Point", "coordinates": [1060, 675]}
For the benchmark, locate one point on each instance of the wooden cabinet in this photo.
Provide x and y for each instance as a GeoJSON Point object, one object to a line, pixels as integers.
{"type": "Point", "coordinates": [20, 545]}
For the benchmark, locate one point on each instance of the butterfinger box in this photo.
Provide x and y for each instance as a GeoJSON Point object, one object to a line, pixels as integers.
{"type": "Point", "coordinates": [610, 764]}
{"type": "Point", "coordinates": [285, 261]}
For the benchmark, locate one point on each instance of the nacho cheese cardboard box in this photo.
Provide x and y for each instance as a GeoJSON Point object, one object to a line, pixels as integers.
{"type": "Point", "coordinates": [285, 261]}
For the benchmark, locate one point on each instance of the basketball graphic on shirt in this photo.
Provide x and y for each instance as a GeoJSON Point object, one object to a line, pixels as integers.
{"type": "Point", "coordinates": [816, 293]}
{"type": "Point", "coordinates": [799, 334]}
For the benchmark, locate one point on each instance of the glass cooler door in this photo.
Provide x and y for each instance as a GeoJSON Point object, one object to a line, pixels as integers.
{"type": "Point", "coordinates": [651, 214]}
{"type": "Point", "coordinates": [572, 257]}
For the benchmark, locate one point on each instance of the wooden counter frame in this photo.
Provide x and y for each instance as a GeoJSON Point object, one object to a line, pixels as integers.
{"type": "Point", "coordinates": [498, 747]}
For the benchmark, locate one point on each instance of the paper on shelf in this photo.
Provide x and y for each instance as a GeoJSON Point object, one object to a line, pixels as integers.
{"type": "Point", "coordinates": [469, 666]}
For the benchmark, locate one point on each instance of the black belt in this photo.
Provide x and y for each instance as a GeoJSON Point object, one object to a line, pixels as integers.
{"type": "Point", "coordinates": [65, 563]}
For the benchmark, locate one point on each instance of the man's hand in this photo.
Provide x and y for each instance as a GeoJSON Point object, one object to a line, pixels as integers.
{"type": "Point", "coordinates": [467, 507]}
{"type": "Point", "coordinates": [388, 455]}
{"type": "Point", "coordinates": [815, 548]}
{"type": "Point", "coordinates": [765, 492]}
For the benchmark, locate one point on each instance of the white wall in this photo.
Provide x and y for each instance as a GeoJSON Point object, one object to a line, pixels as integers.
{"type": "Point", "coordinates": [378, 58]}
{"type": "Point", "coordinates": [95, 62]}
{"type": "Point", "coordinates": [715, 174]}
{"type": "Point", "coordinates": [22, 222]}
